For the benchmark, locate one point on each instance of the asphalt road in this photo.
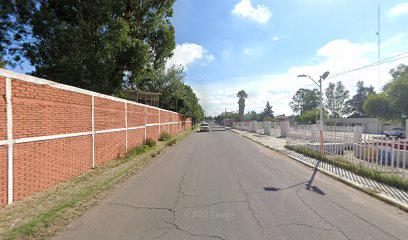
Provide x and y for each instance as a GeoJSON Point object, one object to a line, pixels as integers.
{"type": "Point", "coordinates": [218, 185]}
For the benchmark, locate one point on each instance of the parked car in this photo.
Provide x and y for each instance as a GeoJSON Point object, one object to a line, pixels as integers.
{"type": "Point", "coordinates": [397, 132]}
{"type": "Point", "coordinates": [204, 127]}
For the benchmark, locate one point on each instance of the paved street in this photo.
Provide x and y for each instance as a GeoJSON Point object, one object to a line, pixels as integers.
{"type": "Point", "coordinates": [219, 185]}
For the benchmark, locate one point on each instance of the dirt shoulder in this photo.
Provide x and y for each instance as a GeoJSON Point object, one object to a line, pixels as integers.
{"type": "Point", "coordinates": [44, 214]}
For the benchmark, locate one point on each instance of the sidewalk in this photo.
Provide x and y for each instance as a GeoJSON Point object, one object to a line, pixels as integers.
{"type": "Point", "coordinates": [380, 190]}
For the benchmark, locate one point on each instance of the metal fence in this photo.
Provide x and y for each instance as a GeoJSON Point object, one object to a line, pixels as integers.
{"type": "Point", "coordinates": [385, 154]}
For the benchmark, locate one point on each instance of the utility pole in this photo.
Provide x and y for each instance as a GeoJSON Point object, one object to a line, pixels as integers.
{"type": "Point", "coordinates": [320, 85]}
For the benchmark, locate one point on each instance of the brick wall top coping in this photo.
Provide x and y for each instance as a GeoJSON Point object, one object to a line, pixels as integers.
{"type": "Point", "coordinates": [36, 80]}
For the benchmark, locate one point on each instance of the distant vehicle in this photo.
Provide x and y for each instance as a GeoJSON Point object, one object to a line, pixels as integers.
{"type": "Point", "coordinates": [397, 132]}
{"type": "Point", "coordinates": [204, 127]}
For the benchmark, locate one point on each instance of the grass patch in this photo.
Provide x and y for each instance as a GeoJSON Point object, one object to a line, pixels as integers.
{"type": "Point", "coordinates": [360, 169]}
{"type": "Point", "coordinates": [44, 214]}
{"type": "Point", "coordinates": [150, 142]}
{"type": "Point", "coordinates": [164, 136]}
{"type": "Point", "coordinates": [139, 150]}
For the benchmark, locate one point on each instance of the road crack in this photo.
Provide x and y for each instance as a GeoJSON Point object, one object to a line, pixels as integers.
{"type": "Point", "coordinates": [320, 216]}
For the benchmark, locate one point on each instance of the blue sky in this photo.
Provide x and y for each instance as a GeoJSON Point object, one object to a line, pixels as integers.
{"type": "Point", "coordinates": [261, 46]}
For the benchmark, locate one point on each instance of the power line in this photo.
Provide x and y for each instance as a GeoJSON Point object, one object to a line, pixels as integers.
{"type": "Point", "coordinates": [383, 61]}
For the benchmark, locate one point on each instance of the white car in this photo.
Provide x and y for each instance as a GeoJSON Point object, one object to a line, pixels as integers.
{"type": "Point", "coordinates": [204, 127]}
{"type": "Point", "coordinates": [397, 132]}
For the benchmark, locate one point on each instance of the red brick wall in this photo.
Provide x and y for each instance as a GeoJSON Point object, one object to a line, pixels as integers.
{"type": "Point", "coordinates": [152, 115]}
{"type": "Point", "coordinates": [38, 165]}
{"type": "Point", "coordinates": [3, 175]}
{"type": "Point", "coordinates": [41, 110]}
{"type": "Point", "coordinates": [109, 146]}
{"type": "Point", "coordinates": [135, 137]}
{"type": "Point", "coordinates": [3, 116]}
{"type": "Point", "coordinates": [152, 132]}
{"type": "Point", "coordinates": [135, 115]}
{"type": "Point", "coordinates": [109, 114]}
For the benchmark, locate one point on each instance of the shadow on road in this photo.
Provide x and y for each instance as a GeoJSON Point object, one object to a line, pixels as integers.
{"type": "Point", "coordinates": [308, 184]}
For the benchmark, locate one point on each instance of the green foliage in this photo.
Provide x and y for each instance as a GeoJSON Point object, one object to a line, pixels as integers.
{"type": "Point", "coordinates": [176, 95]}
{"type": "Point", "coordinates": [336, 97]}
{"type": "Point", "coordinates": [94, 44]}
{"type": "Point", "coordinates": [305, 100]}
{"type": "Point", "coordinates": [378, 105]}
{"type": "Point", "coordinates": [311, 116]}
{"type": "Point", "coordinates": [396, 92]}
{"type": "Point", "coordinates": [252, 116]}
{"type": "Point", "coordinates": [355, 106]}
{"type": "Point", "coordinates": [140, 149]}
{"type": "Point", "coordinates": [164, 136]}
{"type": "Point", "coordinates": [227, 115]}
{"type": "Point", "coordinates": [150, 142]}
{"type": "Point", "coordinates": [241, 104]}
{"type": "Point", "coordinates": [267, 112]}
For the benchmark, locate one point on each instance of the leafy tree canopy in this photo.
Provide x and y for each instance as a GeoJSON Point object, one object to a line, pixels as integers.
{"type": "Point", "coordinates": [90, 44]}
{"type": "Point", "coordinates": [305, 100]}
{"type": "Point", "coordinates": [355, 105]}
{"type": "Point", "coordinates": [336, 97]}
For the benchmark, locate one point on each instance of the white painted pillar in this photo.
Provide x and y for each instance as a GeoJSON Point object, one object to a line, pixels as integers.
{"type": "Point", "coordinates": [145, 123]}
{"type": "Point", "coordinates": [252, 126]}
{"type": "Point", "coordinates": [93, 132]}
{"type": "Point", "coordinates": [267, 127]}
{"type": "Point", "coordinates": [406, 128]}
{"type": "Point", "coordinates": [10, 143]}
{"type": "Point", "coordinates": [126, 126]}
{"type": "Point", "coordinates": [358, 133]}
{"type": "Point", "coordinates": [284, 126]}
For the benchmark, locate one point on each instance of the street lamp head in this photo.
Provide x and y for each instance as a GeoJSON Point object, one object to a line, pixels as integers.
{"type": "Point", "coordinates": [302, 75]}
{"type": "Point", "coordinates": [324, 76]}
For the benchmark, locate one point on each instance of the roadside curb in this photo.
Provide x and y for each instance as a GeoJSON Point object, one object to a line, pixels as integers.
{"type": "Point", "coordinates": [368, 191]}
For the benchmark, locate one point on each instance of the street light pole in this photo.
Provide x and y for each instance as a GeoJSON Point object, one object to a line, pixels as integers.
{"type": "Point", "coordinates": [320, 85]}
{"type": "Point", "coordinates": [321, 117]}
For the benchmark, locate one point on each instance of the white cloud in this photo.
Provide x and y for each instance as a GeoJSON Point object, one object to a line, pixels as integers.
{"type": "Point", "coordinates": [259, 13]}
{"type": "Point", "coordinates": [189, 53]}
{"type": "Point", "coordinates": [277, 38]}
{"type": "Point", "coordinates": [343, 47]}
{"type": "Point", "coordinates": [399, 9]}
{"type": "Point", "coordinates": [335, 56]}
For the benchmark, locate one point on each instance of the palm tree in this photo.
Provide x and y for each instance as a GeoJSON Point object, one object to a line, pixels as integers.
{"type": "Point", "coordinates": [241, 103]}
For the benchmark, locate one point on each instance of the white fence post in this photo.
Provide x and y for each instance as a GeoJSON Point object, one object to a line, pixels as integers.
{"type": "Point", "coordinates": [93, 132]}
{"type": "Point", "coordinates": [10, 162]}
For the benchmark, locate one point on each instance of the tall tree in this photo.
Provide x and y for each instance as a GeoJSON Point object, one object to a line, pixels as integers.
{"type": "Point", "coordinates": [305, 100]}
{"type": "Point", "coordinates": [355, 105]}
{"type": "Point", "coordinates": [378, 106]}
{"type": "Point", "coordinates": [267, 112]}
{"type": "Point", "coordinates": [95, 44]}
{"type": "Point", "coordinates": [175, 94]}
{"type": "Point", "coordinates": [336, 97]}
{"type": "Point", "coordinates": [241, 104]}
{"type": "Point", "coordinates": [396, 91]}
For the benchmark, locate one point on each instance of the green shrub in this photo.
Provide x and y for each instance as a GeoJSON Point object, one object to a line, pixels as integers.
{"type": "Point", "coordinates": [150, 142]}
{"type": "Point", "coordinates": [140, 149]}
{"type": "Point", "coordinates": [164, 136]}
